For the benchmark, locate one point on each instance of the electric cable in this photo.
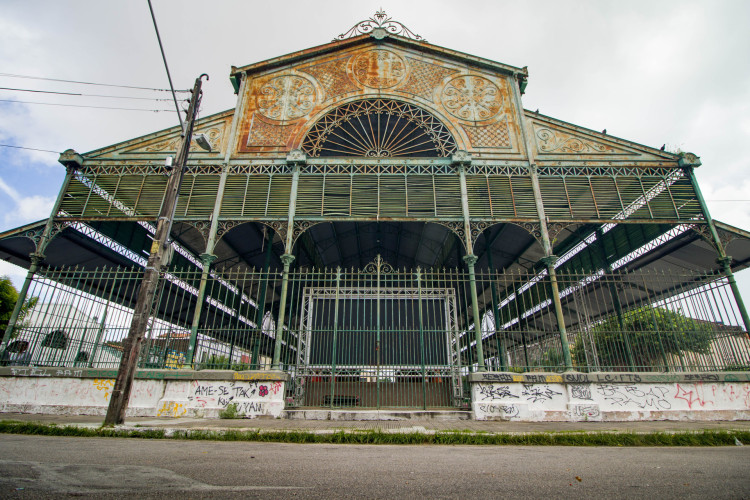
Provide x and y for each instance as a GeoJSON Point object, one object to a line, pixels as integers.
{"type": "Point", "coordinates": [12, 75]}
{"type": "Point", "coordinates": [85, 106]}
{"type": "Point", "coordinates": [31, 149]}
{"type": "Point", "coordinates": [86, 95]}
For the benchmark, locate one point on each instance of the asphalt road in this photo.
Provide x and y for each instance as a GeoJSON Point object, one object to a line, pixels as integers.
{"type": "Point", "coordinates": [51, 467]}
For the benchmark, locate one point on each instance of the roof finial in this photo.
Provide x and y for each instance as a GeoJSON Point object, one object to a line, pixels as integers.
{"type": "Point", "coordinates": [379, 20]}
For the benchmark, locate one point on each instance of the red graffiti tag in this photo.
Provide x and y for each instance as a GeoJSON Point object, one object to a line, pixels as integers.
{"type": "Point", "coordinates": [693, 396]}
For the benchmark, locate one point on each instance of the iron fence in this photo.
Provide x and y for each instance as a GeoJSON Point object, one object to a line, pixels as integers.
{"type": "Point", "coordinates": [384, 337]}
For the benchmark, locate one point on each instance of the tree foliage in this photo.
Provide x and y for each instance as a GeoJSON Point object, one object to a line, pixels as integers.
{"type": "Point", "coordinates": [8, 299]}
{"type": "Point", "coordinates": [653, 334]}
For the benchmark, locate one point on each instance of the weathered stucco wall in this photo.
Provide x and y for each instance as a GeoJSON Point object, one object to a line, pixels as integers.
{"type": "Point", "coordinates": [610, 396]}
{"type": "Point", "coordinates": [155, 393]}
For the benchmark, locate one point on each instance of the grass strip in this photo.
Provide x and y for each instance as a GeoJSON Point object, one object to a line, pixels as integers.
{"type": "Point", "coordinates": [701, 438]}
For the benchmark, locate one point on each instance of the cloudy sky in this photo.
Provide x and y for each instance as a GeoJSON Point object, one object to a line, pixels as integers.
{"type": "Point", "coordinates": [654, 72]}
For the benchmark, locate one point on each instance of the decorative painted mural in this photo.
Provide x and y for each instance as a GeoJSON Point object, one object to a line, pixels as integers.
{"type": "Point", "coordinates": [281, 106]}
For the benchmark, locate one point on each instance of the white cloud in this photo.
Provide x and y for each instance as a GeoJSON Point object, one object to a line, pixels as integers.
{"type": "Point", "coordinates": [15, 273]}
{"type": "Point", "coordinates": [27, 208]}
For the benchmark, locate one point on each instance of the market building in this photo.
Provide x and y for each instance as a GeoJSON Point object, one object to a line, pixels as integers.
{"type": "Point", "coordinates": [381, 224]}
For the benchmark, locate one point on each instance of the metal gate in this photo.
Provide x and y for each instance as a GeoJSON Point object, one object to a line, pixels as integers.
{"type": "Point", "coordinates": [377, 339]}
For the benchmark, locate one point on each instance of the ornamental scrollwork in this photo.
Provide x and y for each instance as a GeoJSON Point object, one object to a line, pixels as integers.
{"type": "Point", "coordinates": [202, 226]}
{"type": "Point", "coordinates": [57, 228]}
{"type": "Point", "coordinates": [34, 235]}
{"type": "Point", "coordinates": [533, 228]}
{"type": "Point", "coordinates": [478, 228]}
{"type": "Point", "coordinates": [383, 21]}
{"type": "Point", "coordinates": [725, 237]}
{"type": "Point", "coordinates": [300, 226]}
{"type": "Point", "coordinates": [213, 135]}
{"type": "Point", "coordinates": [286, 97]}
{"type": "Point", "coordinates": [280, 227]}
{"type": "Point", "coordinates": [564, 143]}
{"type": "Point", "coordinates": [378, 266]}
{"type": "Point", "coordinates": [225, 226]}
{"type": "Point", "coordinates": [704, 232]}
{"type": "Point", "coordinates": [379, 68]}
{"type": "Point", "coordinates": [554, 229]}
{"type": "Point", "coordinates": [456, 228]}
{"type": "Point", "coordinates": [472, 98]}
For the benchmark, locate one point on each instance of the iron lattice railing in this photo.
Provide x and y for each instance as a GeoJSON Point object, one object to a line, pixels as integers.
{"type": "Point", "coordinates": [418, 190]}
{"type": "Point", "coordinates": [382, 337]}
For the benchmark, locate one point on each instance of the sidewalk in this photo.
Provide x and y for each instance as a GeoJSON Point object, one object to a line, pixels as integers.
{"type": "Point", "coordinates": [411, 425]}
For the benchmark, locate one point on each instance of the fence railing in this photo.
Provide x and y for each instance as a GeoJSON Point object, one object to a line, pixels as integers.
{"type": "Point", "coordinates": [381, 336]}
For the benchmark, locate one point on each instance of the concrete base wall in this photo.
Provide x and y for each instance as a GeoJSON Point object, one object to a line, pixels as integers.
{"type": "Point", "coordinates": [610, 396]}
{"type": "Point", "coordinates": [155, 393]}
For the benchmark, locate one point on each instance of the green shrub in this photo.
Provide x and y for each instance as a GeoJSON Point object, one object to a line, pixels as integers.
{"type": "Point", "coordinates": [230, 412]}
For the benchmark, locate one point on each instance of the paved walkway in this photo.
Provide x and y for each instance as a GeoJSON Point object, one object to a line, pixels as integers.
{"type": "Point", "coordinates": [412, 425]}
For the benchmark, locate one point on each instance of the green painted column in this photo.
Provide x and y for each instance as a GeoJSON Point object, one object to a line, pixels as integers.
{"type": "Point", "coordinates": [550, 261]}
{"type": "Point", "coordinates": [287, 260]}
{"type": "Point", "coordinates": [689, 161]}
{"type": "Point", "coordinates": [462, 159]}
{"type": "Point", "coordinates": [295, 158]}
{"type": "Point", "coordinates": [72, 162]}
{"type": "Point", "coordinates": [470, 261]}
{"type": "Point", "coordinates": [206, 259]}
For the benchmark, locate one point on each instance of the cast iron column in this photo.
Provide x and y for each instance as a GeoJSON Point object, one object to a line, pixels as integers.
{"type": "Point", "coordinates": [688, 162]}
{"type": "Point", "coordinates": [296, 158]}
{"type": "Point", "coordinates": [72, 162]}
{"type": "Point", "coordinates": [461, 159]}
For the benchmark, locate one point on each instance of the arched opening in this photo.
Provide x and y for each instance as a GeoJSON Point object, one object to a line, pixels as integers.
{"type": "Point", "coordinates": [379, 128]}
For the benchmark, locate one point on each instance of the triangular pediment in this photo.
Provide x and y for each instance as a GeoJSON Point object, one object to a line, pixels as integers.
{"type": "Point", "coordinates": [165, 142]}
{"type": "Point", "coordinates": [473, 98]}
{"type": "Point", "coordinates": [557, 141]}
{"type": "Point", "coordinates": [327, 50]}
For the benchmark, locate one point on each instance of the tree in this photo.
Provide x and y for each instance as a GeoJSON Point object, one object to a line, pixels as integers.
{"type": "Point", "coordinates": [8, 299]}
{"type": "Point", "coordinates": [648, 335]}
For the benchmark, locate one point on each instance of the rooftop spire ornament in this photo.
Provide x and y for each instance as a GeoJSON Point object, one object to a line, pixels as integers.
{"type": "Point", "coordinates": [379, 20]}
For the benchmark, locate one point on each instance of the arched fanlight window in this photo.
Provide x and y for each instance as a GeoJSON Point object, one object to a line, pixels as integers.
{"type": "Point", "coordinates": [379, 128]}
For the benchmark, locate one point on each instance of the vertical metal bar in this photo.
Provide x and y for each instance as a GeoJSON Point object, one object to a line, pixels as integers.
{"type": "Point", "coordinates": [615, 298]}
{"type": "Point", "coordinates": [100, 331]}
{"type": "Point", "coordinates": [421, 338]}
{"type": "Point", "coordinates": [549, 261]}
{"type": "Point", "coordinates": [335, 330]}
{"type": "Point", "coordinates": [377, 330]}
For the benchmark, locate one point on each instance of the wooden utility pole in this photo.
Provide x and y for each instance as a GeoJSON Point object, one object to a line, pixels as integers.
{"type": "Point", "coordinates": [118, 403]}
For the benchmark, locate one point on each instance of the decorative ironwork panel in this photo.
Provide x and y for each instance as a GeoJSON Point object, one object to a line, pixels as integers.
{"type": "Point", "coordinates": [382, 21]}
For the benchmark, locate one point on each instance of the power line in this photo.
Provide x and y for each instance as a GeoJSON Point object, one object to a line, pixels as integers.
{"type": "Point", "coordinates": [31, 149]}
{"type": "Point", "coordinates": [12, 75]}
{"type": "Point", "coordinates": [84, 106]}
{"type": "Point", "coordinates": [85, 95]}
{"type": "Point", "coordinates": [169, 77]}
